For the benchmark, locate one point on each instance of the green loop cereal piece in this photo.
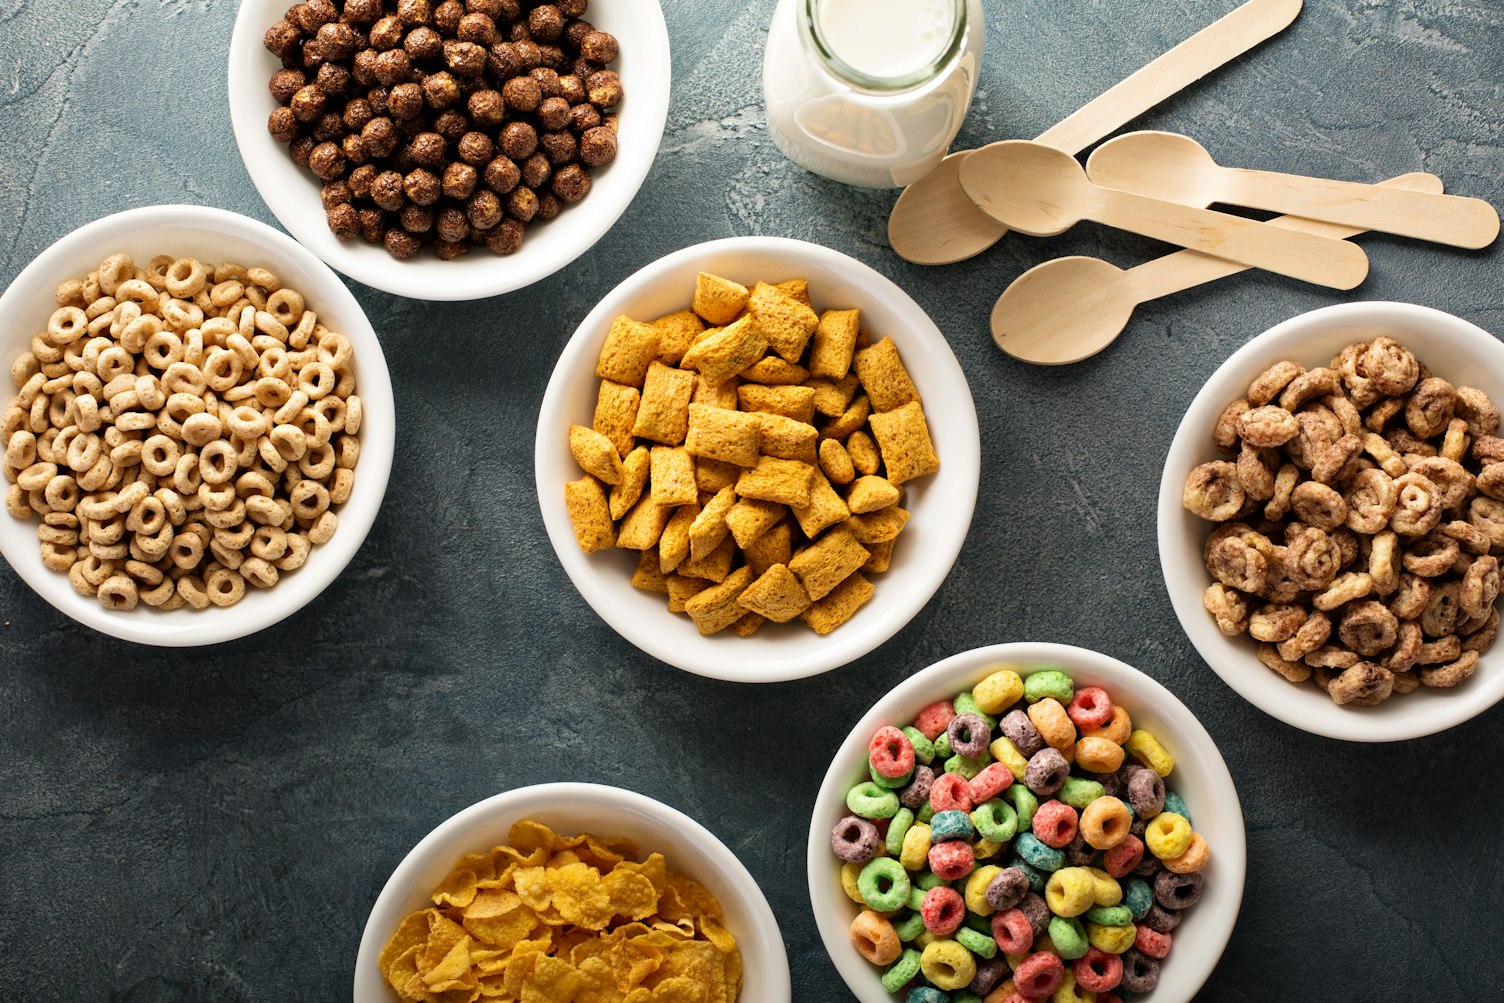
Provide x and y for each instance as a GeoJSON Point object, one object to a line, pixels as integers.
{"type": "Point", "coordinates": [1025, 804]}
{"type": "Point", "coordinates": [967, 704]}
{"type": "Point", "coordinates": [995, 820]}
{"type": "Point", "coordinates": [979, 923]}
{"type": "Point", "coordinates": [1110, 915]}
{"type": "Point", "coordinates": [924, 749]}
{"type": "Point", "coordinates": [927, 880]}
{"type": "Point", "coordinates": [871, 801]}
{"type": "Point", "coordinates": [1068, 936]}
{"type": "Point", "coordinates": [916, 898]}
{"type": "Point", "coordinates": [1049, 683]}
{"type": "Point", "coordinates": [904, 969]}
{"type": "Point", "coordinates": [964, 996]}
{"type": "Point", "coordinates": [909, 927]}
{"type": "Point", "coordinates": [926, 812]}
{"type": "Point", "coordinates": [884, 884]}
{"type": "Point", "coordinates": [897, 829]}
{"type": "Point", "coordinates": [1079, 792]}
{"type": "Point", "coordinates": [968, 766]}
{"type": "Point", "coordinates": [888, 783]}
{"type": "Point", "coordinates": [943, 751]}
{"type": "Point", "coordinates": [980, 944]}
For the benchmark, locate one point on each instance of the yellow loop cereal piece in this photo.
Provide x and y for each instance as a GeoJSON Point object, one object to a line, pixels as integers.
{"type": "Point", "coordinates": [875, 939]}
{"type": "Point", "coordinates": [1099, 755]}
{"type": "Point", "coordinates": [976, 889]}
{"type": "Point", "coordinates": [925, 939]}
{"type": "Point", "coordinates": [948, 965]}
{"type": "Point", "coordinates": [849, 873]}
{"type": "Point", "coordinates": [1054, 724]}
{"type": "Point", "coordinates": [1070, 891]}
{"type": "Point", "coordinates": [915, 854]}
{"type": "Point", "coordinates": [1069, 992]}
{"type": "Point", "coordinates": [1167, 835]}
{"type": "Point", "coordinates": [1117, 730]}
{"type": "Point", "coordinates": [1105, 823]}
{"type": "Point", "coordinates": [1146, 749]}
{"type": "Point", "coordinates": [984, 848]}
{"type": "Point", "coordinates": [1105, 888]}
{"type": "Point", "coordinates": [1193, 859]}
{"type": "Point", "coordinates": [1112, 939]}
{"type": "Point", "coordinates": [998, 692]}
{"type": "Point", "coordinates": [1005, 752]}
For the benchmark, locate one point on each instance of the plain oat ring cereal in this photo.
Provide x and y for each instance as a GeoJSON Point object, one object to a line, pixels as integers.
{"type": "Point", "coordinates": [181, 430]}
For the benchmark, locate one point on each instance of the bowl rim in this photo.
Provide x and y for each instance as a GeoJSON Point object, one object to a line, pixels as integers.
{"type": "Point", "coordinates": [377, 438]}
{"type": "Point", "coordinates": [917, 690]}
{"type": "Point", "coordinates": [962, 450]}
{"type": "Point", "coordinates": [533, 797]}
{"type": "Point", "coordinates": [297, 207]}
{"type": "Point", "coordinates": [1247, 678]}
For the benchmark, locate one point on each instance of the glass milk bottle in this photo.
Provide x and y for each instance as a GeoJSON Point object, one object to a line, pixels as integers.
{"type": "Point", "coordinates": [870, 92]}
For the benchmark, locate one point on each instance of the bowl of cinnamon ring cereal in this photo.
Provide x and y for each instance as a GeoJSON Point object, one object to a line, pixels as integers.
{"type": "Point", "coordinates": [199, 430]}
{"type": "Point", "coordinates": [1331, 516]}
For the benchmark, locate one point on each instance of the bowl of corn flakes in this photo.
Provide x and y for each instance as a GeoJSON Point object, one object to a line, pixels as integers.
{"type": "Point", "coordinates": [557, 890]}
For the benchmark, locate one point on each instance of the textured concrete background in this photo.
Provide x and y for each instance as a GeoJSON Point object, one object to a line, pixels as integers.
{"type": "Point", "coordinates": [215, 824]}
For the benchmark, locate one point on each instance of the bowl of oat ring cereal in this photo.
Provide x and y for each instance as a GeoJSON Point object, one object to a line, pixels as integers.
{"type": "Point", "coordinates": [446, 150]}
{"type": "Point", "coordinates": [199, 429]}
{"type": "Point", "coordinates": [1331, 517]}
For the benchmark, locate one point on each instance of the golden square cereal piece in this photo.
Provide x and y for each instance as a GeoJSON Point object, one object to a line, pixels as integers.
{"type": "Point", "coordinates": [673, 544]}
{"type": "Point", "coordinates": [863, 452]}
{"type": "Point", "coordinates": [585, 501]}
{"type": "Point", "coordinates": [788, 438]}
{"type": "Point", "coordinates": [714, 566]}
{"type": "Point", "coordinates": [615, 413]}
{"type": "Point", "coordinates": [776, 594]}
{"type": "Point", "coordinates": [748, 625]}
{"type": "Point", "coordinates": [716, 608]}
{"type": "Point", "coordinates": [649, 576]}
{"type": "Point", "coordinates": [676, 332]}
{"type": "Point", "coordinates": [825, 508]}
{"type": "Point", "coordinates": [634, 477]}
{"type": "Point", "coordinates": [852, 419]}
{"type": "Point", "coordinates": [722, 355]}
{"type": "Point", "coordinates": [836, 462]}
{"type": "Point", "coordinates": [672, 479]}
{"type": "Point", "coordinates": [750, 518]}
{"type": "Point", "coordinates": [835, 342]}
{"type": "Point", "coordinates": [775, 546]}
{"type": "Point", "coordinates": [839, 606]}
{"type": "Point", "coordinates": [716, 394]}
{"type": "Point", "coordinates": [663, 414]}
{"type": "Point", "coordinates": [785, 322]}
{"type": "Point", "coordinates": [719, 300]}
{"type": "Point", "coordinates": [833, 397]}
{"type": "Point", "coordinates": [629, 347]}
{"type": "Point", "coordinates": [797, 289]}
{"type": "Point", "coordinates": [882, 556]}
{"type": "Point", "coordinates": [828, 561]}
{"type": "Point", "coordinates": [716, 433]}
{"type": "Point", "coordinates": [643, 525]}
{"type": "Point", "coordinates": [883, 376]}
{"type": "Point", "coordinates": [903, 436]}
{"type": "Point", "coordinates": [880, 526]}
{"type": "Point", "coordinates": [709, 527]}
{"type": "Point", "coordinates": [595, 454]}
{"type": "Point", "coordinates": [791, 402]}
{"type": "Point", "coordinates": [776, 372]}
{"type": "Point", "coordinates": [870, 493]}
{"type": "Point", "coordinates": [786, 481]}
{"type": "Point", "coordinates": [712, 475]}
{"type": "Point", "coordinates": [681, 590]}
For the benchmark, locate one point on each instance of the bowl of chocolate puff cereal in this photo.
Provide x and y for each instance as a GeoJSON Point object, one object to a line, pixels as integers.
{"type": "Point", "coordinates": [448, 149]}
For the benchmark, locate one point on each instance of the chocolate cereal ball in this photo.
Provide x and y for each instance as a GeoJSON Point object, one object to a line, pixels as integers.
{"type": "Point", "coordinates": [386, 191]}
{"type": "Point", "coordinates": [536, 170]}
{"type": "Point", "coordinates": [285, 83]}
{"type": "Point", "coordinates": [487, 108]}
{"type": "Point", "coordinates": [422, 186]}
{"type": "Point", "coordinates": [336, 41]}
{"type": "Point", "coordinates": [335, 193]}
{"type": "Point", "coordinates": [598, 146]}
{"type": "Point", "coordinates": [423, 44]}
{"type": "Point", "coordinates": [416, 219]}
{"type": "Point", "coordinates": [400, 244]}
{"type": "Point", "coordinates": [451, 125]}
{"type": "Point", "coordinates": [394, 67]}
{"type": "Point", "coordinates": [300, 148]}
{"type": "Point", "coordinates": [283, 39]}
{"type": "Point", "coordinates": [571, 183]}
{"type": "Point", "coordinates": [386, 34]}
{"type": "Point", "coordinates": [448, 250]}
{"type": "Point", "coordinates": [380, 136]}
{"type": "Point", "coordinates": [572, 8]}
{"type": "Point", "coordinates": [572, 89]}
{"type": "Point", "coordinates": [459, 180]}
{"type": "Point", "coordinates": [356, 114]}
{"type": "Point", "coordinates": [502, 175]}
{"type": "Point", "coordinates": [464, 59]}
{"type": "Point", "coordinates": [344, 221]}
{"type": "Point", "coordinates": [308, 103]}
{"type": "Point", "coordinates": [477, 28]}
{"type": "Point", "coordinates": [440, 90]}
{"type": "Point", "coordinates": [505, 238]}
{"type": "Point", "coordinates": [483, 210]}
{"type": "Point", "coordinates": [354, 148]}
{"type": "Point", "coordinates": [519, 140]}
{"type": "Point", "coordinates": [549, 206]}
{"type": "Point", "coordinates": [559, 147]}
{"type": "Point", "coordinates": [372, 225]}
{"type": "Point", "coordinates": [522, 94]}
{"type": "Point", "coordinates": [405, 102]}
{"type": "Point", "coordinates": [328, 128]}
{"type": "Point", "coordinates": [428, 149]}
{"type": "Point", "coordinates": [522, 204]}
{"type": "Point", "coordinates": [545, 22]}
{"type": "Point", "coordinates": [604, 89]}
{"type": "Point", "coordinates": [360, 181]}
{"type": "Point", "coordinates": [548, 81]}
{"type": "Point", "coordinates": [503, 61]}
{"type": "Point", "coordinates": [599, 47]}
{"type": "Point", "coordinates": [446, 16]}
{"type": "Point", "coordinates": [362, 12]}
{"type": "Point", "coordinates": [282, 125]}
{"type": "Point", "coordinates": [451, 224]}
{"type": "Point", "coordinates": [553, 113]}
{"type": "Point", "coordinates": [333, 79]}
{"type": "Point", "coordinates": [476, 148]}
{"type": "Point", "coordinates": [584, 117]}
{"type": "Point", "coordinates": [414, 12]}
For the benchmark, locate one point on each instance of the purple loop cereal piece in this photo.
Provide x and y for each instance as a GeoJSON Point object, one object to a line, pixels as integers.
{"type": "Point", "coordinates": [1140, 972]}
{"type": "Point", "coordinates": [917, 792]}
{"type": "Point", "coordinates": [1080, 853]}
{"type": "Point", "coordinates": [1178, 891]}
{"type": "Point", "coordinates": [1114, 785]}
{"type": "Point", "coordinates": [1007, 889]}
{"type": "Point", "coordinates": [1147, 867]}
{"type": "Point", "coordinates": [1138, 826]}
{"type": "Point", "coordinates": [1033, 907]}
{"type": "Point", "coordinates": [1160, 919]}
{"type": "Point", "coordinates": [968, 734]}
{"type": "Point", "coordinates": [1046, 772]}
{"type": "Point", "coordinates": [854, 839]}
{"type": "Point", "coordinates": [1146, 793]}
{"type": "Point", "coordinates": [1022, 733]}
{"type": "Point", "coordinates": [990, 974]}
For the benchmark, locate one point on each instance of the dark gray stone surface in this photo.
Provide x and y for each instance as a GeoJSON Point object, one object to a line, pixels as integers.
{"type": "Point", "coordinates": [215, 824]}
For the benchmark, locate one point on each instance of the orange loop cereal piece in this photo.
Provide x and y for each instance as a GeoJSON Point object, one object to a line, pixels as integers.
{"type": "Point", "coordinates": [1117, 730]}
{"type": "Point", "coordinates": [874, 938]}
{"type": "Point", "coordinates": [1099, 755]}
{"type": "Point", "coordinates": [1196, 854]}
{"type": "Point", "coordinates": [1054, 724]}
{"type": "Point", "coordinates": [1105, 823]}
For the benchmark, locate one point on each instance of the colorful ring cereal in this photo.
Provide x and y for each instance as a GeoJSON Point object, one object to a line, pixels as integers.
{"type": "Point", "coordinates": [996, 820]}
{"type": "Point", "coordinates": [950, 824]}
{"type": "Point", "coordinates": [1098, 971]}
{"type": "Point", "coordinates": [1112, 939]}
{"type": "Point", "coordinates": [1039, 975]}
{"type": "Point", "coordinates": [934, 719]}
{"type": "Point", "coordinates": [1051, 683]}
{"type": "Point", "coordinates": [1193, 859]}
{"type": "Point", "coordinates": [875, 939]}
{"type": "Point", "coordinates": [1048, 770]}
{"type": "Point", "coordinates": [1055, 824]}
{"type": "Point", "coordinates": [950, 792]}
{"type": "Point", "coordinates": [1053, 722]}
{"type": "Point", "coordinates": [1068, 936]}
{"type": "Point", "coordinates": [891, 753]}
{"type": "Point", "coordinates": [1008, 888]}
{"type": "Point", "coordinates": [1012, 931]}
{"type": "Point", "coordinates": [1167, 835]}
{"type": "Point", "coordinates": [988, 784]}
{"type": "Point", "coordinates": [917, 793]}
{"type": "Point", "coordinates": [1153, 943]}
{"type": "Point", "coordinates": [952, 859]}
{"type": "Point", "coordinates": [1091, 707]}
{"type": "Point", "coordinates": [854, 839]}
{"type": "Point", "coordinates": [1019, 730]}
{"type": "Point", "coordinates": [1144, 747]}
{"type": "Point", "coordinates": [1069, 892]}
{"type": "Point", "coordinates": [884, 884]}
{"type": "Point", "coordinates": [904, 969]}
{"type": "Point", "coordinates": [999, 691]}
{"type": "Point", "coordinates": [1099, 754]}
{"type": "Point", "coordinates": [942, 909]}
{"type": "Point", "coordinates": [1105, 823]}
{"type": "Point", "coordinates": [1037, 854]}
{"type": "Point", "coordinates": [948, 965]}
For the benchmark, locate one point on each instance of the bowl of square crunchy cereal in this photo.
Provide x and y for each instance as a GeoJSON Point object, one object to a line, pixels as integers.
{"type": "Point", "coordinates": [757, 459]}
{"type": "Point", "coordinates": [1331, 517]}
{"type": "Point", "coordinates": [565, 891]}
{"type": "Point", "coordinates": [200, 427]}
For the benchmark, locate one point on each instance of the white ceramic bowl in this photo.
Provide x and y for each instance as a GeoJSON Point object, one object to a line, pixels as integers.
{"type": "Point", "coordinates": [1455, 350]}
{"type": "Point", "coordinates": [1200, 777]}
{"type": "Point", "coordinates": [940, 506]}
{"type": "Point", "coordinates": [292, 192]}
{"type": "Point", "coordinates": [210, 235]}
{"type": "Point", "coordinates": [689, 848]}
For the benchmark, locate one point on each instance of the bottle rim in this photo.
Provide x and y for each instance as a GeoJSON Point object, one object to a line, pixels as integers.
{"type": "Point", "coordinates": [815, 37]}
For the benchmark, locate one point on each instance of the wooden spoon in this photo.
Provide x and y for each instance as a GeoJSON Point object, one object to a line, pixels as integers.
{"type": "Point", "coordinates": [1176, 168]}
{"type": "Point", "coordinates": [1038, 190]}
{"type": "Point", "coordinates": [1070, 309]}
{"type": "Point", "coordinates": [934, 223]}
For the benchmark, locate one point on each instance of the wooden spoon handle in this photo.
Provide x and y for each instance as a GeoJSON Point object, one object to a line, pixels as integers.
{"type": "Point", "coordinates": [1336, 264]}
{"type": "Point", "coordinates": [1211, 47]}
{"type": "Point", "coordinates": [1175, 273]}
{"type": "Point", "coordinates": [1444, 219]}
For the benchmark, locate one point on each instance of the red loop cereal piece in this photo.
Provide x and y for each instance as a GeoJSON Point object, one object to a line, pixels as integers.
{"type": "Point", "coordinates": [934, 719]}
{"type": "Point", "coordinates": [992, 781]}
{"type": "Point", "coordinates": [1055, 824]}
{"type": "Point", "coordinates": [891, 753]}
{"type": "Point", "coordinates": [1151, 942]}
{"type": "Point", "coordinates": [951, 859]}
{"type": "Point", "coordinates": [1091, 707]}
{"type": "Point", "coordinates": [1098, 971]}
{"type": "Point", "coordinates": [1039, 974]}
{"type": "Point", "coordinates": [950, 792]}
{"type": "Point", "coordinates": [942, 910]}
{"type": "Point", "coordinates": [1012, 931]}
{"type": "Point", "coordinates": [1123, 858]}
